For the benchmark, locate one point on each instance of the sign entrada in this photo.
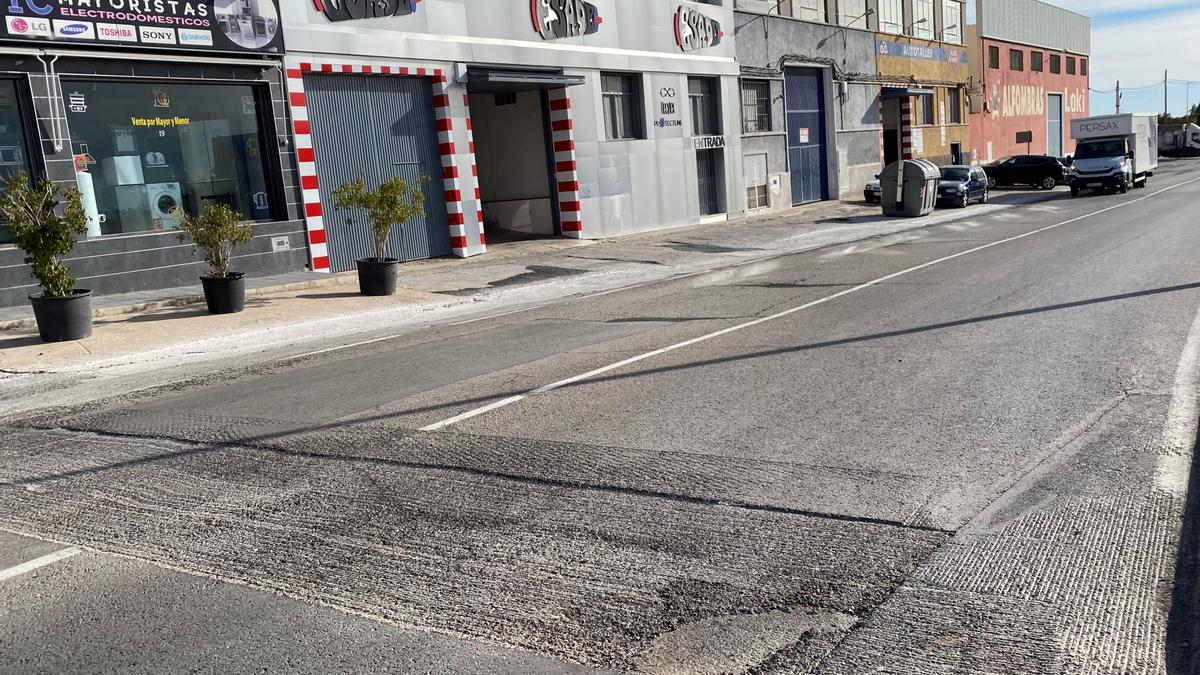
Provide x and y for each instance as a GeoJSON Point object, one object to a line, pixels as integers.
{"type": "Point", "coordinates": [348, 10]}
{"type": "Point", "coordinates": [709, 142]}
{"type": "Point", "coordinates": [694, 30]}
{"type": "Point", "coordinates": [554, 19]}
{"type": "Point", "coordinates": [211, 25]}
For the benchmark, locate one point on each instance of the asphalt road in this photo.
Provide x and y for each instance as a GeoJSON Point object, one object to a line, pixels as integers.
{"type": "Point", "coordinates": [960, 449]}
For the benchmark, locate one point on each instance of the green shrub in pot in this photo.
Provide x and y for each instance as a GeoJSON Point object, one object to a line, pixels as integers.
{"type": "Point", "coordinates": [393, 203]}
{"type": "Point", "coordinates": [46, 220]}
{"type": "Point", "coordinates": [216, 230]}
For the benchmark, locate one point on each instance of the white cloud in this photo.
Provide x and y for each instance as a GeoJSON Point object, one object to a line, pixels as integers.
{"type": "Point", "coordinates": [1136, 52]}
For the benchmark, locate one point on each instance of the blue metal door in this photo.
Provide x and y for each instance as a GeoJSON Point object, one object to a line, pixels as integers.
{"type": "Point", "coordinates": [804, 103]}
{"type": "Point", "coordinates": [376, 127]}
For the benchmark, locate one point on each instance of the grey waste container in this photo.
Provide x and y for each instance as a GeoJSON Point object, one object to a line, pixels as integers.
{"type": "Point", "coordinates": [919, 196]}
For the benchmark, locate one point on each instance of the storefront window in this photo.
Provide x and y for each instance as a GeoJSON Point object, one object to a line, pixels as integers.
{"type": "Point", "coordinates": [152, 146]}
{"type": "Point", "coordinates": [705, 98]}
{"type": "Point", "coordinates": [14, 145]}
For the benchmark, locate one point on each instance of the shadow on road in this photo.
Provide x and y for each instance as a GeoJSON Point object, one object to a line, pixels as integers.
{"type": "Point", "coordinates": [1183, 624]}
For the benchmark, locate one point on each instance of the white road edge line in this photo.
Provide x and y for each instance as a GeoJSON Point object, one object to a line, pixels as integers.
{"type": "Point", "coordinates": [779, 315]}
{"type": "Point", "coordinates": [48, 559]}
{"type": "Point", "coordinates": [1172, 470]}
{"type": "Point", "coordinates": [495, 316]}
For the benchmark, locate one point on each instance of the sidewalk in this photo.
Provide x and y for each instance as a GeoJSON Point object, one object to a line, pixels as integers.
{"type": "Point", "coordinates": [289, 309]}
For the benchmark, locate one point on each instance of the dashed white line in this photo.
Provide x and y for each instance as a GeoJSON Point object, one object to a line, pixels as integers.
{"type": "Point", "coordinates": [787, 312]}
{"type": "Point", "coordinates": [48, 559]}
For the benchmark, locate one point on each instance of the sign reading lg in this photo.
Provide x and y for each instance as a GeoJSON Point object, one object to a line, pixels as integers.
{"type": "Point", "coordinates": [694, 30]}
{"type": "Point", "coordinates": [349, 10]}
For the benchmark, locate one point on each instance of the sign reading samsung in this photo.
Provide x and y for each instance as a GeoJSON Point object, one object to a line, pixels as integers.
{"type": "Point", "coordinates": [952, 55]}
{"type": "Point", "coordinates": [212, 25]}
{"type": "Point", "coordinates": [554, 19]}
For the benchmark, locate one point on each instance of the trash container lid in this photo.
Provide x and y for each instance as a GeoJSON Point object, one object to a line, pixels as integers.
{"type": "Point", "coordinates": [918, 169]}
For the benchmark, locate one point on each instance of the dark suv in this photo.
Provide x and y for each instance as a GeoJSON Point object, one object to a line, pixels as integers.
{"type": "Point", "coordinates": [1042, 171]}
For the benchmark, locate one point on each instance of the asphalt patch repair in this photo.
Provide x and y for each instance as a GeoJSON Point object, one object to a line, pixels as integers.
{"type": "Point", "coordinates": [596, 577]}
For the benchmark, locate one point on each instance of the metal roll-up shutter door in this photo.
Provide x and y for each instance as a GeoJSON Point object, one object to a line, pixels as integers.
{"type": "Point", "coordinates": [376, 127]}
{"type": "Point", "coordinates": [804, 101]}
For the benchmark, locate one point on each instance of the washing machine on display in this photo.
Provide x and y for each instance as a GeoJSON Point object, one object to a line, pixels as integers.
{"type": "Point", "coordinates": [163, 198]}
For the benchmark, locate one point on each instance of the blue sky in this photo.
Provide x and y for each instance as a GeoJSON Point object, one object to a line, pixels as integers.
{"type": "Point", "coordinates": [1133, 41]}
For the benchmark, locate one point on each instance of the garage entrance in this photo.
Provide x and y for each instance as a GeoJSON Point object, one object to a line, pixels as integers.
{"type": "Point", "coordinates": [514, 151]}
{"type": "Point", "coordinates": [377, 127]}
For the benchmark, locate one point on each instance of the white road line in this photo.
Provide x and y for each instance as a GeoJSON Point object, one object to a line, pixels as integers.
{"type": "Point", "coordinates": [779, 315]}
{"type": "Point", "coordinates": [1173, 467]}
{"type": "Point", "coordinates": [48, 559]}
{"type": "Point", "coordinates": [496, 316]}
{"type": "Point", "coordinates": [338, 348]}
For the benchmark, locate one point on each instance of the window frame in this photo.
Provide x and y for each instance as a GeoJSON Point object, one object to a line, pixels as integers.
{"type": "Point", "coordinates": [994, 51]}
{"type": "Point", "coordinates": [926, 117]}
{"type": "Point", "coordinates": [264, 108]}
{"type": "Point", "coordinates": [926, 30]}
{"type": "Point", "coordinates": [1056, 64]}
{"type": "Point", "coordinates": [954, 106]}
{"type": "Point", "coordinates": [1016, 60]}
{"type": "Point", "coordinates": [957, 23]}
{"type": "Point", "coordinates": [35, 156]}
{"type": "Point", "coordinates": [1083, 66]}
{"type": "Point", "coordinates": [759, 113]}
{"type": "Point", "coordinates": [639, 107]}
{"type": "Point", "coordinates": [715, 103]}
{"type": "Point", "coordinates": [1071, 69]}
{"type": "Point", "coordinates": [891, 16]}
{"type": "Point", "coordinates": [851, 20]}
{"type": "Point", "coordinates": [1037, 61]}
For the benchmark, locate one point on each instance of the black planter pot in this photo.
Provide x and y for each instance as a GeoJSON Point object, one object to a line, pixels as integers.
{"type": "Point", "coordinates": [377, 277]}
{"type": "Point", "coordinates": [63, 319]}
{"type": "Point", "coordinates": [225, 295]}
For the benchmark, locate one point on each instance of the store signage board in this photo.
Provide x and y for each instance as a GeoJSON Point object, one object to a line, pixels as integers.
{"type": "Point", "coordinates": [696, 30]}
{"type": "Point", "coordinates": [946, 54]}
{"type": "Point", "coordinates": [709, 142]}
{"type": "Point", "coordinates": [350, 10]}
{"type": "Point", "coordinates": [238, 26]}
{"type": "Point", "coordinates": [557, 19]}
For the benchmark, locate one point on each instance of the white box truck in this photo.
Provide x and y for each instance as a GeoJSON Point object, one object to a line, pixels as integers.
{"type": "Point", "coordinates": [1114, 152]}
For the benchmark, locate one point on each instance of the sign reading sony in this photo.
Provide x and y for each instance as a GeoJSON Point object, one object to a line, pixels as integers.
{"type": "Point", "coordinates": [554, 19]}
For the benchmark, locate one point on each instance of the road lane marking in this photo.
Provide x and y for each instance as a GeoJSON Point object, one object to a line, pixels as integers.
{"type": "Point", "coordinates": [338, 348]}
{"type": "Point", "coordinates": [436, 426]}
{"type": "Point", "coordinates": [1172, 470]}
{"type": "Point", "coordinates": [496, 316]}
{"type": "Point", "coordinates": [48, 559]}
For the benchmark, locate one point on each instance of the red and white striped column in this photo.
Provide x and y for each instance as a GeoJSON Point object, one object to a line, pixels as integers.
{"type": "Point", "coordinates": [566, 168]}
{"type": "Point", "coordinates": [906, 127]}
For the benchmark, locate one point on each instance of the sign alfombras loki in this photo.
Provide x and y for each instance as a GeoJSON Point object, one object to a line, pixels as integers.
{"type": "Point", "coordinates": [554, 19]}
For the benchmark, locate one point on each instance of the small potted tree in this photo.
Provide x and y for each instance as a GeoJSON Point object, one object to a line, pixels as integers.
{"type": "Point", "coordinates": [217, 230]}
{"type": "Point", "coordinates": [394, 202]}
{"type": "Point", "coordinates": [46, 233]}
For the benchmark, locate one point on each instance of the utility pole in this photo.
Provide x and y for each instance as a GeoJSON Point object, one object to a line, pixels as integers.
{"type": "Point", "coordinates": [1118, 97]}
{"type": "Point", "coordinates": [1166, 108]}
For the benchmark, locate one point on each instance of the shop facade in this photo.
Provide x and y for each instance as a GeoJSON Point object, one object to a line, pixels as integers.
{"type": "Point", "coordinates": [522, 118]}
{"type": "Point", "coordinates": [923, 75]}
{"type": "Point", "coordinates": [145, 112]}
{"type": "Point", "coordinates": [1032, 78]}
{"type": "Point", "coordinates": [810, 102]}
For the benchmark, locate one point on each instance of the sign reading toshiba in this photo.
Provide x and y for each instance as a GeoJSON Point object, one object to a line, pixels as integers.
{"type": "Point", "coordinates": [211, 25]}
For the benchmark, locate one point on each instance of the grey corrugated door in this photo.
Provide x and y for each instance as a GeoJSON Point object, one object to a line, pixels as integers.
{"type": "Point", "coordinates": [377, 127]}
{"type": "Point", "coordinates": [804, 101]}
{"type": "Point", "coordinates": [1054, 125]}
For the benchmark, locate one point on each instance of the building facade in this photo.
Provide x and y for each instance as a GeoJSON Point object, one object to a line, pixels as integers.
{"type": "Point", "coordinates": [177, 105]}
{"type": "Point", "coordinates": [521, 117]}
{"type": "Point", "coordinates": [810, 115]}
{"type": "Point", "coordinates": [1029, 65]}
{"type": "Point", "coordinates": [832, 90]}
{"type": "Point", "coordinates": [924, 74]}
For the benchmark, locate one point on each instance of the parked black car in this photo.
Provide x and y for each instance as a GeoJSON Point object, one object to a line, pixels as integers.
{"type": "Point", "coordinates": [961, 185]}
{"type": "Point", "coordinates": [1042, 171]}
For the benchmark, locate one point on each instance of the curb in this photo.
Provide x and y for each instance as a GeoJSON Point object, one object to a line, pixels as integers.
{"type": "Point", "coordinates": [343, 279]}
{"type": "Point", "coordinates": [347, 278]}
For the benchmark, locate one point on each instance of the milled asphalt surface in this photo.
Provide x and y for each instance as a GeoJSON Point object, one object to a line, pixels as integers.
{"type": "Point", "coordinates": [957, 470]}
